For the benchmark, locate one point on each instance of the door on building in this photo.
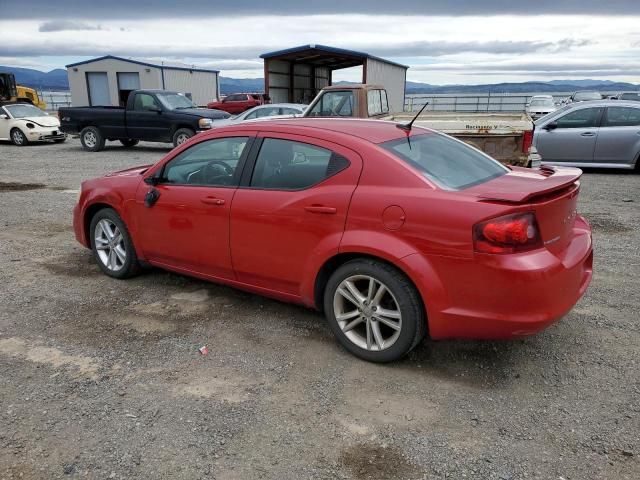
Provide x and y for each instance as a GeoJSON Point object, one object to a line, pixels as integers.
{"type": "Point", "coordinates": [98, 88]}
{"type": "Point", "coordinates": [127, 82]}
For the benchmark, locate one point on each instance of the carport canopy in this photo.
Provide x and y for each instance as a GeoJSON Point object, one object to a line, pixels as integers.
{"type": "Point", "coordinates": [297, 74]}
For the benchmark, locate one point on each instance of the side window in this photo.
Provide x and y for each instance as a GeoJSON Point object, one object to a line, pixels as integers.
{"type": "Point", "coordinates": [288, 165]}
{"type": "Point", "coordinates": [337, 103]}
{"type": "Point", "coordinates": [584, 118]}
{"type": "Point", "coordinates": [289, 111]}
{"type": "Point", "coordinates": [144, 101]}
{"type": "Point", "coordinates": [622, 117]}
{"type": "Point", "coordinates": [212, 163]}
{"type": "Point", "coordinates": [385, 102]}
{"type": "Point", "coordinates": [267, 112]}
{"type": "Point", "coordinates": [374, 104]}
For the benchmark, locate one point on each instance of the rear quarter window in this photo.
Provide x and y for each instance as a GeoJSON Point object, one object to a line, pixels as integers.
{"type": "Point", "coordinates": [449, 163]}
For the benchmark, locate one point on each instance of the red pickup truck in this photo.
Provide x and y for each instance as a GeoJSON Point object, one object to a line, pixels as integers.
{"type": "Point", "coordinates": [239, 102]}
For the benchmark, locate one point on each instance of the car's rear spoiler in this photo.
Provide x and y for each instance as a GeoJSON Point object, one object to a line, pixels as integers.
{"type": "Point", "coordinates": [556, 179]}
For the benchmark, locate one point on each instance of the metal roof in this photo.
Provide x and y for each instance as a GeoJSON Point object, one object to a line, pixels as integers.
{"type": "Point", "coordinates": [164, 66]}
{"type": "Point", "coordinates": [324, 56]}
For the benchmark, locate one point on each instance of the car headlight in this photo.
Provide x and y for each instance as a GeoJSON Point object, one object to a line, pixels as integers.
{"type": "Point", "coordinates": [30, 125]}
{"type": "Point", "coordinates": [205, 123]}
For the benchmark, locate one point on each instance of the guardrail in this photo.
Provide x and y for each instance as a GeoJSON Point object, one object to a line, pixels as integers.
{"type": "Point", "coordinates": [472, 103]}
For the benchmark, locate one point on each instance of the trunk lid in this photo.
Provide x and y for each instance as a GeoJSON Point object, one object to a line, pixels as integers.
{"type": "Point", "coordinates": [550, 192]}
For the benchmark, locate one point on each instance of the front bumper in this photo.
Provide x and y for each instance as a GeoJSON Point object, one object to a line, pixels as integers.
{"type": "Point", "coordinates": [43, 134]}
{"type": "Point", "coordinates": [510, 296]}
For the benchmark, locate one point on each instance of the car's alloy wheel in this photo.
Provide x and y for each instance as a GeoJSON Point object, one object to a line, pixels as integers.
{"type": "Point", "coordinates": [367, 312]}
{"type": "Point", "coordinates": [110, 245]}
{"type": "Point", "coordinates": [17, 137]}
{"type": "Point", "coordinates": [374, 310]}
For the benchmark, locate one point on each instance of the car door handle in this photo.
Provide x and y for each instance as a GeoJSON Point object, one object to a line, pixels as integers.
{"type": "Point", "coordinates": [321, 209]}
{"type": "Point", "coordinates": [587, 134]}
{"type": "Point", "coordinates": [212, 201]}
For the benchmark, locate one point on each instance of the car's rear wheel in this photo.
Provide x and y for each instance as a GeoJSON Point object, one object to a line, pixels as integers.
{"type": "Point", "coordinates": [92, 139]}
{"type": "Point", "coordinates": [182, 135]}
{"type": "Point", "coordinates": [18, 138]}
{"type": "Point", "coordinates": [112, 246]}
{"type": "Point", "coordinates": [374, 310]}
{"type": "Point", "coordinates": [128, 142]}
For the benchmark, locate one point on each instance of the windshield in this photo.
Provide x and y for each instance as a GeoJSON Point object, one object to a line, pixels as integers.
{"type": "Point", "coordinates": [23, 111]}
{"type": "Point", "coordinates": [174, 101]}
{"type": "Point", "coordinates": [449, 163]}
{"type": "Point", "coordinates": [582, 96]}
{"type": "Point", "coordinates": [542, 102]}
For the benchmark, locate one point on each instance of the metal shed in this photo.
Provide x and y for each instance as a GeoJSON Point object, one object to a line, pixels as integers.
{"type": "Point", "coordinates": [297, 74]}
{"type": "Point", "coordinates": [108, 80]}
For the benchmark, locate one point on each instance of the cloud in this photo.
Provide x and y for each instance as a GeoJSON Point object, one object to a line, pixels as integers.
{"type": "Point", "coordinates": [125, 9]}
{"type": "Point", "coordinates": [66, 25]}
{"type": "Point", "coordinates": [248, 53]}
{"type": "Point", "coordinates": [563, 68]}
{"type": "Point", "coordinates": [440, 48]}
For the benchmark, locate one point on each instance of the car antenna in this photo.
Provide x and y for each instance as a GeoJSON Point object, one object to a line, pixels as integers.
{"type": "Point", "coordinates": [407, 126]}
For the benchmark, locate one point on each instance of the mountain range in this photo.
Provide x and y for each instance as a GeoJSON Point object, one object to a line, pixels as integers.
{"type": "Point", "coordinates": [57, 80]}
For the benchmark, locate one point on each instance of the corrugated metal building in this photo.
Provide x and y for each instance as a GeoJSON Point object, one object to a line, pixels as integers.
{"type": "Point", "coordinates": [108, 80]}
{"type": "Point", "coordinates": [297, 74]}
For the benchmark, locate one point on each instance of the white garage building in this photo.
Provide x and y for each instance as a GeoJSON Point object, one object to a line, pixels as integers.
{"type": "Point", "coordinates": [297, 74]}
{"type": "Point", "coordinates": [108, 80]}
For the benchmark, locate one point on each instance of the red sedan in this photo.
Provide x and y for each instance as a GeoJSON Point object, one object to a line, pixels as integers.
{"type": "Point", "coordinates": [393, 234]}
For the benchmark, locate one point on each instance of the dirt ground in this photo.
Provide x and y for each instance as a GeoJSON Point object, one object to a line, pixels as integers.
{"type": "Point", "coordinates": [102, 378]}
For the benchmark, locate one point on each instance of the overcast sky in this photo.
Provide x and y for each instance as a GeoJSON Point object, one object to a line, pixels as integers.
{"type": "Point", "coordinates": [444, 42]}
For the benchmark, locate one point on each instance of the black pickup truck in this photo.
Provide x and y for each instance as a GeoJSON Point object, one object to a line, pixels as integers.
{"type": "Point", "coordinates": [150, 115]}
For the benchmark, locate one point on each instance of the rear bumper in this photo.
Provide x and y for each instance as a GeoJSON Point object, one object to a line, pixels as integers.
{"type": "Point", "coordinates": [510, 296]}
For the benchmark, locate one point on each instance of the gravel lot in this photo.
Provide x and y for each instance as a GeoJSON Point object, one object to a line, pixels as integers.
{"type": "Point", "coordinates": [102, 378]}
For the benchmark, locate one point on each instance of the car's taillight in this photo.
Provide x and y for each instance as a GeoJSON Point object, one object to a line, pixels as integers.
{"type": "Point", "coordinates": [527, 140]}
{"type": "Point", "coordinates": [507, 234]}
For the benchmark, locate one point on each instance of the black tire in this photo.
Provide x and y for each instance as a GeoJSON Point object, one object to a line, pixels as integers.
{"type": "Point", "coordinates": [129, 142]}
{"type": "Point", "coordinates": [414, 323]}
{"type": "Point", "coordinates": [130, 266]}
{"type": "Point", "coordinates": [92, 139]}
{"type": "Point", "coordinates": [182, 135]}
{"type": "Point", "coordinates": [18, 138]}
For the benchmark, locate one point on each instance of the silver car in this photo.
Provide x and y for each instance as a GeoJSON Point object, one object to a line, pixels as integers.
{"type": "Point", "coordinates": [601, 133]}
{"type": "Point", "coordinates": [540, 105]}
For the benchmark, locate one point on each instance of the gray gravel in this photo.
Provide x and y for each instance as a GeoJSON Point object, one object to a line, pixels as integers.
{"type": "Point", "coordinates": [102, 378]}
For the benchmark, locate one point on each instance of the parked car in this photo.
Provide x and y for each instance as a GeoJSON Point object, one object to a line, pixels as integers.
{"type": "Point", "coordinates": [266, 112]}
{"type": "Point", "coordinates": [584, 96]}
{"type": "Point", "coordinates": [540, 105]}
{"type": "Point", "coordinates": [603, 133]}
{"type": "Point", "coordinates": [23, 123]}
{"type": "Point", "coordinates": [635, 96]}
{"type": "Point", "coordinates": [240, 102]}
{"type": "Point", "coordinates": [150, 115]}
{"type": "Point", "coordinates": [391, 232]}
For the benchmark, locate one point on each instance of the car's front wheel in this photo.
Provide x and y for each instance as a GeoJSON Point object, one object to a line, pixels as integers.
{"type": "Point", "coordinates": [18, 138]}
{"type": "Point", "coordinates": [182, 135]}
{"type": "Point", "coordinates": [374, 310]}
{"type": "Point", "coordinates": [112, 246]}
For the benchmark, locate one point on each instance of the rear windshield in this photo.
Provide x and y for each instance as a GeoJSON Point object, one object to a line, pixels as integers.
{"type": "Point", "coordinates": [583, 96]}
{"type": "Point", "coordinates": [447, 162]}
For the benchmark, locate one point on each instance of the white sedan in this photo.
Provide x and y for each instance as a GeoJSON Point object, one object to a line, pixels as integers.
{"type": "Point", "coordinates": [265, 112]}
{"type": "Point", "coordinates": [23, 123]}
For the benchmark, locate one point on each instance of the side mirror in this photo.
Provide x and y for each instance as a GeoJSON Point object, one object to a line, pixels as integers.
{"type": "Point", "coordinates": [152, 180]}
{"type": "Point", "coordinates": [527, 105]}
{"type": "Point", "coordinates": [4, 116]}
{"type": "Point", "coordinates": [550, 126]}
